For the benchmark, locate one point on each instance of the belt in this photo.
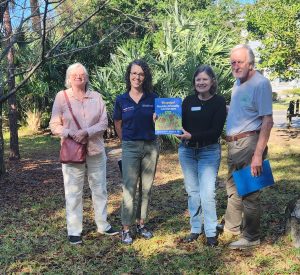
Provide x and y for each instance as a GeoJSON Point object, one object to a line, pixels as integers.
{"type": "Point", "coordinates": [241, 135]}
{"type": "Point", "coordinates": [197, 144]}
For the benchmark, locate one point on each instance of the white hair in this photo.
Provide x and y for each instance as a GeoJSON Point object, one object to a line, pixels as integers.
{"type": "Point", "coordinates": [70, 69]}
{"type": "Point", "coordinates": [249, 50]}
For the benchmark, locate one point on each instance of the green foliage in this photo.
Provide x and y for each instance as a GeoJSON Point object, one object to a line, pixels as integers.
{"type": "Point", "coordinates": [174, 51]}
{"type": "Point", "coordinates": [276, 23]}
{"type": "Point", "coordinates": [181, 46]}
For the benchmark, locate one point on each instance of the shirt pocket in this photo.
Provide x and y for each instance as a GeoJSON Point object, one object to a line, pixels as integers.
{"type": "Point", "coordinates": [247, 103]}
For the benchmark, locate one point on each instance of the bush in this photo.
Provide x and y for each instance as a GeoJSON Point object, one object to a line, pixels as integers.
{"type": "Point", "coordinates": [45, 119]}
{"type": "Point", "coordinates": [33, 120]}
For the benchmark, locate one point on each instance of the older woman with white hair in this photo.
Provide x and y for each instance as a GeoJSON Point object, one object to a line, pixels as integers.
{"type": "Point", "coordinates": [90, 112]}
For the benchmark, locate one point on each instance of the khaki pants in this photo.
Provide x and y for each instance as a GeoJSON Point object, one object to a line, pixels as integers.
{"type": "Point", "coordinates": [73, 182]}
{"type": "Point", "coordinates": [139, 159]}
{"type": "Point", "coordinates": [242, 212]}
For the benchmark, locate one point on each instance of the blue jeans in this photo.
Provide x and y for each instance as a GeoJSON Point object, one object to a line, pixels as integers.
{"type": "Point", "coordinates": [200, 168]}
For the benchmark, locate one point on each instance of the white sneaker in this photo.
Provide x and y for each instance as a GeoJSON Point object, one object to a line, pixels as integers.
{"type": "Point", "coordinates": [243, 244]}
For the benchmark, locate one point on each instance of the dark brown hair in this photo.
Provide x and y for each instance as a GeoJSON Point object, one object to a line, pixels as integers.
{"type": "Point", "coordinates": [147, 83]}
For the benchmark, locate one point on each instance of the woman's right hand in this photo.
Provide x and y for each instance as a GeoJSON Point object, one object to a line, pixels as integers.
{"type": "Point", "coordinates": [185, 135]}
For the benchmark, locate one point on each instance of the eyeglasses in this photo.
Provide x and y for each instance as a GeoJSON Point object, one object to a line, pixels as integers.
{"type": "Point", "coordinates": [238, 62]}
{"type": "Point", "coordinates": [141, 75]}
{"type": "Point", "coordinates": [79, 75]}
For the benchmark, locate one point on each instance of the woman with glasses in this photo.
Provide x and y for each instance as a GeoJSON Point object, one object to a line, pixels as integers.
{"type": "Point", "coordinates": [203, 118]}
{"type": "Point", "coordinates": [133, 117]}
{"type": "Point", "coordinates": [89, 110]}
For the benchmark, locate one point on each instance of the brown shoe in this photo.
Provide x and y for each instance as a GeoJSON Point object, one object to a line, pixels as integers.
{"type": "Point", "coordinates": [243, 244]}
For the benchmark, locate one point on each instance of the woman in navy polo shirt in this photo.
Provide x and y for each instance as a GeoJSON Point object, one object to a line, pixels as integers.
{"type": "Point", "coordinates": [133, 117]}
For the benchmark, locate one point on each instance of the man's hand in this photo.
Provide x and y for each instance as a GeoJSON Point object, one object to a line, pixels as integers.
{"type": "Point", "coordinates": [256, 165]}
{"type": "Point", "coordinates": [185, 135]}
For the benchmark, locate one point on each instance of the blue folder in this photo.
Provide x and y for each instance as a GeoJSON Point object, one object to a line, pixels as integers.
{"type": "Point", "coordinates": [246, 183]}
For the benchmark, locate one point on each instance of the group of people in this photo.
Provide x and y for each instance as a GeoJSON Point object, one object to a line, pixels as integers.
{"type": "Point", "coordinates": [204, 112]}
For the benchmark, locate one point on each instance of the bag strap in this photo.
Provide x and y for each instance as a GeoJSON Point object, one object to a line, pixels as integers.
{"type": "Point", "coordinates": [71, 111]}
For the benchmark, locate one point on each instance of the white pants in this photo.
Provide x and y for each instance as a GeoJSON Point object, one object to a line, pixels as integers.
{"type": "Point", "coordinates": [73, 182]}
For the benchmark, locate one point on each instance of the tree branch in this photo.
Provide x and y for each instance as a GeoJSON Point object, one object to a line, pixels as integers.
{"type": "Point", "coordinates": [75, 29]}
{"type": "Point", "coordinates": [48, 55]}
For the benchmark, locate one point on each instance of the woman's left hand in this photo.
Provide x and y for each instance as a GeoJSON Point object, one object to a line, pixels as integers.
{"type": "Point", "coordinates": [185, 135]}
{"type": "Point", "coordinates": [80, 136]}
{"type": "Point", "coordinates": [154, 117]}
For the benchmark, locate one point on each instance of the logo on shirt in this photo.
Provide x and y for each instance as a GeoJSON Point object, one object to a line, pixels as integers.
{"type": "Point", "coordinates": [147, 106]}
{"type": "Point", "coordinates": [127, 109]}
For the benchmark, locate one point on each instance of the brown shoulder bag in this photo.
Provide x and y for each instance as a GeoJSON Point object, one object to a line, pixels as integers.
{"type": "Point", "coordinates": [72, 151]}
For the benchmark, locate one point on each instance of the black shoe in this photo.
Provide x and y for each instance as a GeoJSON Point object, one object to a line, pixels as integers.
{"type": "Point", "coordinates": [75, 239]}
{"type": "Point", "coordinates": [190, 238]}
{"type": "Point", "coordinates": [220, 227]}
{"type": "Point", "coordinates": [110, 232]}
{"type": "Point", "coordinates": [212, 241]}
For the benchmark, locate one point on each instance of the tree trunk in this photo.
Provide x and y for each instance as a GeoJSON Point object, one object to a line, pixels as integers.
{"type": "Point", "coordinates": [2, 165]}
{"type": "Point", "coordinates": [3, 6]}
{"type": "Point", "coordinates": [36, 19]}
{"type": "Point", "coordinates": [12, 103]}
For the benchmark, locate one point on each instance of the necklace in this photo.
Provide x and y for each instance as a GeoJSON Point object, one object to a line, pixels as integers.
{"type": "Point", "coordinates": [205, 99]}
{"type": "Point", "coordinates": [203, 102]}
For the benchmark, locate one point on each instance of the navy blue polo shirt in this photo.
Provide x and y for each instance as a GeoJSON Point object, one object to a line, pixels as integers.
{"type": "Point", "coordinates": [137, 118]}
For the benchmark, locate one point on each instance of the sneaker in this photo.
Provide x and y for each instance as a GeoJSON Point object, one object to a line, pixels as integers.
{"type": "Point", "coordinates": [126, 238]}
{"type": "Point", "coordinates": [75, 239]}
{"type": "Point", "coordinates": [143, 232]}
{"type": "Point", "coordinates": [243, 244]}
{"type": "Point", "coordinates": [212, 241]}
{"type": "Point", "coordinates": [110, 232]}
{"type": "Point", "coordinates": [192, 237]}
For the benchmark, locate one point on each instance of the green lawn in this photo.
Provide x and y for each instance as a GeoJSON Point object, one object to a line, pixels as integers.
{"type": "Point", "coordinates": [33, 230]}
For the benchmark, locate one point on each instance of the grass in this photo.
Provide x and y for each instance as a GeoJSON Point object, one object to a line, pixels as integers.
{"type": "Point", "coordinates": [285, 97]}
{"type": "Point", "coordinates": [33, 230]}
{"type": "Point", "coordinates": [281, 105]}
